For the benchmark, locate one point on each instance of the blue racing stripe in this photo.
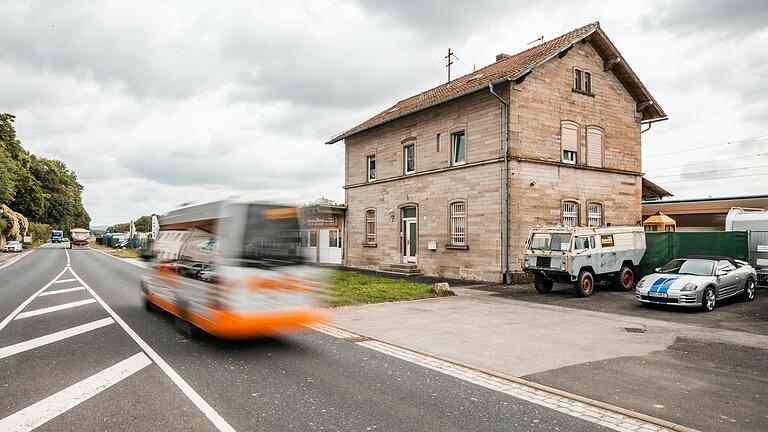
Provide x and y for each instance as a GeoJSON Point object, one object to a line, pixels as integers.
{"type": "Point", "coordinates": [656, 285]}
{"type": "Point", "coordinates": [668, 283]}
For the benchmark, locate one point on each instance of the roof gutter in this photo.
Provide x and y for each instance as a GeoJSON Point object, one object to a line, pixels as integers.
{"type": "Point", "coordinates": [505, 177]}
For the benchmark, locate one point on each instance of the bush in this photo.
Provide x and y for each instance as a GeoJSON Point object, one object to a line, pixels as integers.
{"type": "Point", "coordinates": [40, 232]}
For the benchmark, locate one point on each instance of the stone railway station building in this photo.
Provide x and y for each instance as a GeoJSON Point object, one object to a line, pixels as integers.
{"type": "Point", "coordinates": [450, 181]}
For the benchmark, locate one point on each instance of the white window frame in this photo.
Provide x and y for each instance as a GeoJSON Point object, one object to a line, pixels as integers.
{"type": "Point", "coordinates": [569, 212]}
{"type": "Point", "coordinates": [370, 174]}
{"type": "Point", "coordinates": [458, 223]}
{"type": "Point", "coordinates": [454, 137]}
{"type": "Point", "coordinates": [594, 214]}
{"type": "Point", "coordinates": [370, 227]}
{"type": "Point", "coordinates": [569, 157]}
{"type": "Point", "coordinates": [411, 146]}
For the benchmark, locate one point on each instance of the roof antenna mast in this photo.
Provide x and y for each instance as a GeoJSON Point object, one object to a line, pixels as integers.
{"type": "Point", "coordinates": [539, 39]}
{"type": "Point", "coordinates": [450, 62]}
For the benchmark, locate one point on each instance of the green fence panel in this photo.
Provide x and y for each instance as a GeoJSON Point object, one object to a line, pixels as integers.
{"type": "Point", "coordinates": [662, 247]}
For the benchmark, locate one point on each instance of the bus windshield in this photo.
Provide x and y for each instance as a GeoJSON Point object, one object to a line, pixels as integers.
{"type": "Point", "coordinates": [272, 237]}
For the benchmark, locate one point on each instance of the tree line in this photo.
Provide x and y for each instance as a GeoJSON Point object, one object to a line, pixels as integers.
{"type": "Point", "coordinates": [43, 190]}
{"type": "Point", "coordinates": [142, 224]}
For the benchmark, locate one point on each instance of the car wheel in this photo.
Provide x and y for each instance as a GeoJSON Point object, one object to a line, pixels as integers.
{"type": "Point", "coordinates": [750, 289]}
{"type": "Point", "coordinates": [708, 300]}
{"type": "Point", "coordinates": [584, 284]}
{"type": "Point", "coordinates": [625, 279]}
{"type": "Point", "coordinates": [542, 285]}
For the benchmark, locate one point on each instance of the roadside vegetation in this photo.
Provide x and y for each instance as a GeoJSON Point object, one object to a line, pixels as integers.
{"type": "Point", "coordinates": [350, 288]}
{"type": "Point", "coordinates": [120, 253]}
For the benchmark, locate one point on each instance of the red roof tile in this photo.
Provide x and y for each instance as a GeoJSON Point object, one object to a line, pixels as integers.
{"type": "Point", "coordinates": [509, 68]}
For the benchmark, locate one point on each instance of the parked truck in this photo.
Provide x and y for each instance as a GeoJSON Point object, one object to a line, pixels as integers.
{"type": "Point", "coordinates": [754, 221]}
{"type": "Point", "coordinates": [79, 237]}
{"type": "Point", "coordinates": [584, 257]}
{"type": "Point", "coordinates": [57, 236]}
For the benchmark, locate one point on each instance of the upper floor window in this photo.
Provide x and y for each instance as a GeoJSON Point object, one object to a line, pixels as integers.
{"type": "Point", "coordinates": [458, 223]}
{"type": "Point", "coordinates": [577, 79]}
{"type": "Point", "coordinates": [570, 213]}
{"type": "Point", "coordinates": [587, 82]}
{"type": "Point", "coordinates": [370, 227]}
{"type": "Point", "coordinates": [594, 214]}
{"type": "Point", "coordinates": [371, 167]}
{"type": "Point", "coordinates": [594, 147]}
{"type": "Point", "coordinates": [569, 141]}
{"type": "Point", "coordinates": [458, 156]}
{"type": "Point", "coordinates": [409, 158]}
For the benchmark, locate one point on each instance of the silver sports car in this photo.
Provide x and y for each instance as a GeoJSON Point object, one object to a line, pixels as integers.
{"type": "Point", "coordinates": [697, 282]}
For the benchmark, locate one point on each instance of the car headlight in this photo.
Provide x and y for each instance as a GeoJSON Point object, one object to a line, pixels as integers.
{"type": "Point", "coordinates": [527, 263]}
{"type": "Point", "coordinates": [562, 266]}
{"type": "Point", "coordinates": [689, 287]}
{"type": "Point", "coordinates": [640, 284]}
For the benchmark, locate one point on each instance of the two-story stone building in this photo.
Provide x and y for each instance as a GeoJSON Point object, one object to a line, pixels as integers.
{"type": "Point", "coordinates": [450, 181]}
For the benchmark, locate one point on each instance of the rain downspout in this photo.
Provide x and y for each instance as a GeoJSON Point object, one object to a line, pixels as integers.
{"type": "Point", "coordinates": [505, 197]}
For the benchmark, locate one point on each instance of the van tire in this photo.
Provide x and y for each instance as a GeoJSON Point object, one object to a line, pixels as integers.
{"type": "Point", "coordinates": [625, 279]}
{"type": "Point", "coordinates": [543, 286]}
{"type": "Point", "coordinates": [584, 284]}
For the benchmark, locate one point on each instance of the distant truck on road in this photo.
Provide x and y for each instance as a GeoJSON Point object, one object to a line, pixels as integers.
{"type": "Point", "coordinates": [755, 221]}
{"type": "Point", "coordinates": [57, 236]}
{"type": "Point", "coordinates": [79, 237]}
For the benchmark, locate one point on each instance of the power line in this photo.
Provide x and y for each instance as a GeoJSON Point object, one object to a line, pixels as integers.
{"type": "Point", "coordinates": [716, 178]}
{"type": "Point", "coordinates": [710, 162]}
{"type": "Point", "coordinates": [710, 172]}
{"type": "Point", "coordinates": [753, 139]}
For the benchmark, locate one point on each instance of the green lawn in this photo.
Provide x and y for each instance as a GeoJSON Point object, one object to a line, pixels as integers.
{"type": "Point", "coordinates": [126, 253]}
{"type": "Point", "coordinates": [350, 288]}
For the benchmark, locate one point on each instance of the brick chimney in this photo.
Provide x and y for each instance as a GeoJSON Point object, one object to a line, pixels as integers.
{"type": "Point", "coordinates": [502, 56]}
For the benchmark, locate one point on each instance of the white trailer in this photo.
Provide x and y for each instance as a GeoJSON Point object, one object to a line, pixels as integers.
{"type": "Point", "coordinates": [754, 221]}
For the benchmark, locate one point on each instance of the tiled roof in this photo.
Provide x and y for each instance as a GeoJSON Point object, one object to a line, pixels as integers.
{"type": "Point", "coordinates": [509, 68]}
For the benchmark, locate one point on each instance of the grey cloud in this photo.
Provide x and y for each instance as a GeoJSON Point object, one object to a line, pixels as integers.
{"type": "Point", "coordinates": [733, 18]}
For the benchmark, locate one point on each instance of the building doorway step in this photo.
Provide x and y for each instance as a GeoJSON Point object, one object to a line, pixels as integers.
{"type": "Point", "coordinates": [409, 269]}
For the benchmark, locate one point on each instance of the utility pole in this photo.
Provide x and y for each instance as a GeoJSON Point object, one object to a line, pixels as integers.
{"type": "Point", "coordinates": [450, 62]}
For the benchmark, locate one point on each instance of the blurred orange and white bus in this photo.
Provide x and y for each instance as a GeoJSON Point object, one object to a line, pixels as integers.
{"type": "Point", "coordinates": [234, 269]}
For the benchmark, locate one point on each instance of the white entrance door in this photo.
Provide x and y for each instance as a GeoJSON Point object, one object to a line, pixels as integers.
{"type": "Point", "coordinates": [329, 245]}
{"type": "Point", "coordinates": [409, 240]}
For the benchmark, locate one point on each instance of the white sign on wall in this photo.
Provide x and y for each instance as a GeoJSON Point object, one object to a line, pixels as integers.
{"type": "Point", "coordinates": [762, 248]}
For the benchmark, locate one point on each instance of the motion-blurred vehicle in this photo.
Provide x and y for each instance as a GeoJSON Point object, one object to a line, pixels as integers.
{"type": "Point", "coordinates": [698, 282]}
{"type": "Point", "coordinates": [584, 256]}
{"type": "Point", "coordinates": [233, 269]}
{"type": "Point", "coordinates": [57, 236]}
{"type": "Point", "coordinates": [755, 221]}
{"type": "Point", "coordinates": [12, 246]}
{"type": "Point", "coordinates": [80, 237]}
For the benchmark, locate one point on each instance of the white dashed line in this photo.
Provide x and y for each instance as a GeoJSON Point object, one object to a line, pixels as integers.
{"type": "Point", "coordinates": [217, 420]}
{"type": "Point", "coordinates": [50, 309]}
{"type": "Point", "coordinates": [592, 413]}
{"type": "Point", "coordinates": [53, 337]}
{"type": "Point", "coordinates": [28, 301]}
{"type": "Point", "coordinates": [37, 414]}
{"type": "Point", "coordinates": [61, 291]}
{"type": "Point", "coordinates": [65, 280]}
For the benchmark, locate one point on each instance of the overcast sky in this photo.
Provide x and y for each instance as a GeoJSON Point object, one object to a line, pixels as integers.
{"type": "Point", "coordinates": [158, 103]}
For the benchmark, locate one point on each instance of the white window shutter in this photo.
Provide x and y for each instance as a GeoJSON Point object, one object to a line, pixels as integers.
{"type": "Point", "coordinates": [569, 137]}
{"type": "Point", "coordinates": [594, 147]}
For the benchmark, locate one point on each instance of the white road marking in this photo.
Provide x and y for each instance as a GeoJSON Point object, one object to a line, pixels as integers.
{"type": "Point", "coordinates": [61, 291]}
{"type": "Point", "coordinates": [585, 411]}
{"type": "Point", "coordinates": [54, 308]}
{"type": "Point", "coordinates": [15, 259]}
{"type": "Point", "coordinates": [139, 264]}
{"type": "Point", "coordinates": [53, 337]}
{"type": "Point", "coordinates": [332, 331]}
{"type": "Point", "coordinates": [39, 413]}
{"type": "Point", "coordinates": [27, 301]}
{"type": "Point", "coordinates": [65, 280]}
{"type": "Point", "coordinates": [67, 252]}
{"type": "Point", "coordinates": [217, 420]}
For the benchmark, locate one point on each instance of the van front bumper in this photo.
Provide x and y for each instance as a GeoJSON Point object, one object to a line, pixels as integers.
{"type": "Point", "coordinates": [550, 274]}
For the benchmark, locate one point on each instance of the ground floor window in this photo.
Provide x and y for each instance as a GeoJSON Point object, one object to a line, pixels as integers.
{"type": "Point", "coordinates": [594, 214]}
{"type": "Point", "coordinates": [458, 211]}
{"type": "Point", "coordinates": [370, 227]}
{"type": "Point", "coordinates": [570, 213]}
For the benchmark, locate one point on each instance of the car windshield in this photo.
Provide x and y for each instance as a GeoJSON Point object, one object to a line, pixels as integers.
{"type": "Point", "coordinates": [697, 267]}
{"type": "Point", "coordinates": [12, 243]}
{"type": "Point", "coordinates": [550, 241]}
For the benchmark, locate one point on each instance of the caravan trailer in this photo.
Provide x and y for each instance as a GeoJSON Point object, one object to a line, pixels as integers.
{"type": "Point", "coordinates": [755, 221]}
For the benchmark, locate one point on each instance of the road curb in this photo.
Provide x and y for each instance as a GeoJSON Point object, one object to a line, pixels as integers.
{"type": "Point", "coordinates": [583, 399]}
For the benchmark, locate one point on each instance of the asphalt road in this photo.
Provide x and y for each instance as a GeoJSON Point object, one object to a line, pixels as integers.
{"type": "Point", "coordinates": [103, 379]}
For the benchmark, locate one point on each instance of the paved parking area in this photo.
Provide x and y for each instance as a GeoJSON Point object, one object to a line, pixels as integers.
{"type": "Point", "coordinates": [731, 314]}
